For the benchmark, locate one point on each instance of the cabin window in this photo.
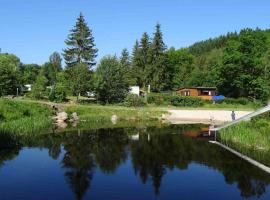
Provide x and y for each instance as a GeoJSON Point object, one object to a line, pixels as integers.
{"type": "Point", "coordinates": [186, 93]}
{"type": "Point", "coordinates": [206, 92]}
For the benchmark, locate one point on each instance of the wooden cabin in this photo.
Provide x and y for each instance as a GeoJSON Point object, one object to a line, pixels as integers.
{"type": "Point", "coordinates": [205, 93]}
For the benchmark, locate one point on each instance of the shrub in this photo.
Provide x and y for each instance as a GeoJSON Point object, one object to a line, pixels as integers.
{"type": "Point", "coordinates": [241, 101]}
{"type": "Point", "coordinates": [159, 98]}
{"type": "Point", "coordinates": [133, 100]}
{"type": "Point", "coordinates": [186, 101]}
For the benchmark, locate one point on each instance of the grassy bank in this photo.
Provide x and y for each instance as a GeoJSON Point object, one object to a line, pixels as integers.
{"type": "Point", "coordinates": [24, 117]}
{"type": "Point", "coordinates": [251, 138]}
{"type": "Point", "coordinates": [30, 117]}
{"type": "Point", "coordinates": [98, 113]}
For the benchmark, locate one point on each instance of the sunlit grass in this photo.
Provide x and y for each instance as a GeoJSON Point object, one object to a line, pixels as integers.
{"type": "Point", "coordinates": [23, 117]}
{"type": "Point", "coordinates": [98, 113]}
{"type": "Point", "coordinates": [250, 138]}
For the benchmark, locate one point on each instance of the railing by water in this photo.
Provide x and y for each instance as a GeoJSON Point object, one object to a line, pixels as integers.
{"type": "Point", "coordinates": [244, 118]}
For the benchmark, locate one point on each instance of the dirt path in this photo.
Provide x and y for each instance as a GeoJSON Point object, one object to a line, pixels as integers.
{"type": "Point", "coordinates": [202, 116]}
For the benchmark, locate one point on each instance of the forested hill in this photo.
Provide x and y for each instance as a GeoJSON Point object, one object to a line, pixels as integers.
{"type": "Point", "coordinates": [237, 63]}
{"type": "Point", "coordinates": [206, 46]}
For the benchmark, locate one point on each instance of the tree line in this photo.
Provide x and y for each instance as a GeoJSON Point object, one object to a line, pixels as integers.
{"type": "Point", "coordinates": [236, 63]}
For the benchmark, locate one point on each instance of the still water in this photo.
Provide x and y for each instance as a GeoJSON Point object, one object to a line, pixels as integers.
{"type": "Point", "coordinates": [168, 162]}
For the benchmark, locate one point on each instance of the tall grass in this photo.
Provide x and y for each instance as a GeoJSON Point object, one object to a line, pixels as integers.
{"type": "Point", "coordinates": [23, 117]}
{"type": "Point", "coordinates": [250, 138]}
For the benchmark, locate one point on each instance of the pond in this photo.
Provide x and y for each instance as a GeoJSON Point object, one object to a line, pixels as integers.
{"type": "Point", "coordinates": [142, 162]}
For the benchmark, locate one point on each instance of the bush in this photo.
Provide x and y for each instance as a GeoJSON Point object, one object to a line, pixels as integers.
{"type": "Point", "coordinates": [241, 101]}
{"type": "Point", "coordinates": [159, 98]}
{"type": "Point", "coordinates": [133, 100]}
{"type": "Point", "coordinates": [57, 94]}
{"type": "Point", "coordinates": [186, 101]}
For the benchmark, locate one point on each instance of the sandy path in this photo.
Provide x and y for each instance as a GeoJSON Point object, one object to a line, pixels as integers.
{"type": "Point", "coordinates": [202, 116]}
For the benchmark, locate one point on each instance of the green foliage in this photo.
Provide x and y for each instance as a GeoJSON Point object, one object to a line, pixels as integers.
{"type": "Point", "coordinates": [126, 68]}
{"type": "Point", "coordinates": [156, 70]}
{"type": "Point", "coordinates": [242, 72]}
{"type": "Point", "coordinates": [56, 60]}
{"type": "Point", "coordinates": [241, 101]}
{"type": "Point", "coordinates": [110, 84]}
{"type": "Point", "coordinates": [29, 73]}
{"type": "Point", "coordinates": [81, 47]}
{"type": "Point", "coordinates": [175, 100]}
{"type": "Point", "coordinates": [79, 77]}
{"type": "Point", "coordinates": [39, 87]}
{"type": "Point", "coordinates": [181, 65]}
{"type": "Point", "coordinates": [187, 101]}
{"type": "Point", "coordinates": [138, 70]}
{"type": "Point", "coordinates": [159, 98]}
{"type": "Point", "coordinates": [61, 88]}
{"type": "Point", "coordinates": [23, 117]}
{"type": "Point", "coordinates": [9, 74]}
{"type": "Point", "coordinates": [133, 100]}
{"type": "Point", "coordinates": [204, 47]}
{"type": "Point", "coordinates": [80, 57]}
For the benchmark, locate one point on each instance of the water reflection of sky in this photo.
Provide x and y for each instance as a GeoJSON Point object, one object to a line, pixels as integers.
{"type": "Point", "coordinates": [107, 164]}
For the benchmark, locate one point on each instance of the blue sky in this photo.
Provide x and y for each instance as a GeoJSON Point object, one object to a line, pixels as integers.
{"type": "Point", "coordinates": [33, 29]}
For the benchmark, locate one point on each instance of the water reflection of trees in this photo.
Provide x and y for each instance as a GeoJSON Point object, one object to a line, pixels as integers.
{"type": "Point", "coordinates": [9, 148]}
{"type": "Point", "coordinates": [78, 162]}
{"type": "Point", "coordinates": [153, 153]}
{"type": "Point", "coordinates": [153, 158]}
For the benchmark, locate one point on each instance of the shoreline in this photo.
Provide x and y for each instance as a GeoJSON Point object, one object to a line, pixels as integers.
{"type": "Point", "coordinates": [202, 116]}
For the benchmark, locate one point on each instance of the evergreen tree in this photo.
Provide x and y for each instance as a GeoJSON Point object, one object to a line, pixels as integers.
{"type": "Point", "coordinates": [155, 71]}
{"type": "Point", "coordinates": [144, 50]}
{"type": "Point", "coordinates": [80, 54]}
{"type": "Point", "coordinates": [136, 64]}
{"type": "Point", "coordinates": [180, 65]}
{"type": "Point", "coordinates": [127, 68]}
{"type": "Point", "coordinates": [81, 46]}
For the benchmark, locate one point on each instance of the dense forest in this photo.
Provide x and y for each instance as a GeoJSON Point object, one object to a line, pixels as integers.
{"type": "Point", "coordinates": [237, 63]}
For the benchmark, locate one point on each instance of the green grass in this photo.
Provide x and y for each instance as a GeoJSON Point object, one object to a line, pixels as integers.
{"type": "Point", "coordinates": [24, 117]}
{"type": "Point", "coordinates": [250, 138]}
{"type": "Point", "coordinates": [98, 113]}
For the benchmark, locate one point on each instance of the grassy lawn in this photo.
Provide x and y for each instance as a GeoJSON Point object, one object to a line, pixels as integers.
{"type": "Point", "coordinates": [99, 113]}
{"type": "Point", "coordinates": [251, 138]}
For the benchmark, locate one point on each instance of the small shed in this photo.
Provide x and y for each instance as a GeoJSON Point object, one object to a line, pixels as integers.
{"type": "Point", "coordinates": [205, 93]}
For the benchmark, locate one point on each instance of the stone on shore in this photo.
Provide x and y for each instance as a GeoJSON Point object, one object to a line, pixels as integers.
{"type": "Point", "coordinates": [75, 117]}
{"type": "Point", "coordinates": [61, 117]}
{"type": "Point", "coordinates": [114, 119]}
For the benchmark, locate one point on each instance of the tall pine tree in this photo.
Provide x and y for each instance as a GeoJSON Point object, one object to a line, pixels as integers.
{"type": "Point", "coordinates": [81, 46]}
{"type": "Point", "coordinates": [136, 63]}
{"type": "Point", "coordinates": [155, 71]}
{"type": "Point", "coordinates": [80, 56]}
{"type": "Point", "coordinates": [144, 49]}
{"type": "Point", "coordinates": [126, 67]}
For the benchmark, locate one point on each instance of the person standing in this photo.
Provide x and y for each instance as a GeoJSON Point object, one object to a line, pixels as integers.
{"type": "Point", "coordinates": [233, 115]}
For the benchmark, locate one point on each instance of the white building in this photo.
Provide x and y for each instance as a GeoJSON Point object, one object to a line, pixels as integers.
{"type": "Point", "coordinates": [134, 90]}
